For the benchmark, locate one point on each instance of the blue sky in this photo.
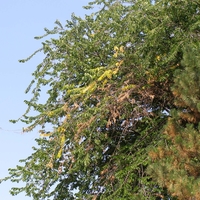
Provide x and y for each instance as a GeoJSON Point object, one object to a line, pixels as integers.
{"type": "Point", "coordinates": [21, 21]}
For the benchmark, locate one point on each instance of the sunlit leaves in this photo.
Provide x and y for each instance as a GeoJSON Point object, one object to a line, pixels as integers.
{"type": "Point", "coordinates": [108, 80]}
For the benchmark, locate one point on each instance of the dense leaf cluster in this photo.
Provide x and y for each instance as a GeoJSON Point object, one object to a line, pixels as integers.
{"type": "Point", "coordinates": [115, 80]}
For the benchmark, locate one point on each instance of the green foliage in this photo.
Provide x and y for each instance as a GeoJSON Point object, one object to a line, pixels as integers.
{"type": "Point", "coordinates": [109, 78]}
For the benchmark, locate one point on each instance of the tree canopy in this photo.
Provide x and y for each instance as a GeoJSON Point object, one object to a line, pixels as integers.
{"type": "Point", "coordinates": [123, 103]}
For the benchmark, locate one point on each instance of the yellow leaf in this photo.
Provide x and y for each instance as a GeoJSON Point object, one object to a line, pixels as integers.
{"type": "Point", "coordinates": [119, 63]}
{"type": "Point", "coordinates": [62, 140]}
{"type": "Point", "coordinates": [121, 49]}
{"type": "Point", "coordinates": [109, 74]}
{"type": "Point", "coordinates": [115, 55]}
{"type": "Point", "coordinates": [61, 129]}
{"type": "Point", "coordinates": [158, 58]}
{"type": "Point", "coordinates": [115, 71]}
{"type": "Point", "coordinates": [106, 74]}
{"type": "Point", "coordinates": [116, 48]}
{"type": "Point", "coordinates": [68, 116]}
{"type": "Point", "coordinates": [131, 86]}
{"type": "Point", "coordinates": [90, 87]}
{"type": "Point", "coordinates": [50, 114]}
{"type": "Point", "coordinates": [104, 82]}
{"type": "Point", "coordinates": [59, 153]}
{"type": "Point", "coordinates": [62, 143]}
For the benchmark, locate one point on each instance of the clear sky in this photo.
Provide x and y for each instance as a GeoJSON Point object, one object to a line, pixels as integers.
{"type": "Point", "coordinates": [20, 21]}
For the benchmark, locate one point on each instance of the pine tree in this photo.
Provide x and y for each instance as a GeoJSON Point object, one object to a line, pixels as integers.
{"type": "Point", "coordinates": [177, 161]}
